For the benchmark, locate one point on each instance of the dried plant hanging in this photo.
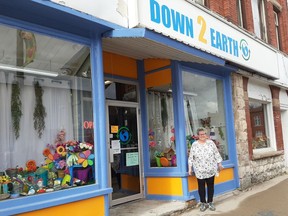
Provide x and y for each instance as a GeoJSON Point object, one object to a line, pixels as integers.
{"type": "Point", "coordinates": [39, 110]}
{"type": "Point", "coordinates": [16, 108]}
{"type": "Point", "coordinates": [164, 113]}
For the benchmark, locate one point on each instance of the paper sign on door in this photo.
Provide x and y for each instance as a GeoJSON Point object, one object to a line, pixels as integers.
{"type": "Point", "coordinates": [115, 144]}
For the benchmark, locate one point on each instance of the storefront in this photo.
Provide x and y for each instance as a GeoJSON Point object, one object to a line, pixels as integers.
{"type": "Point", "coordinates": [115, 109]}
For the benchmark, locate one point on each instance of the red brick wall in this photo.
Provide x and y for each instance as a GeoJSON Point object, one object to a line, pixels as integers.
{"type": "Point", "coordinates": [277, 117]}
{"type": "Point", "coordinates": [228, 9]}
{"type": "Point", "coordinates": [247, 15]}
{"type": "Point", "coordinates": [283, 22]}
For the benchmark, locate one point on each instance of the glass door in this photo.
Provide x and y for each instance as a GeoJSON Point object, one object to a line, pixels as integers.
{"type": "Point", "coordinates": [124, 151]}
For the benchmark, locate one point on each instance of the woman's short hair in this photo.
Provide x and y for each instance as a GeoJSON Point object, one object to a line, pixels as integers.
{"type": "Point", "coordinates": [201, 129]}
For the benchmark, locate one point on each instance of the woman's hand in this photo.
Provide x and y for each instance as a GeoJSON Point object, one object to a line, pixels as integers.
{"type": "Point", "coordinates": [190, 172]}
{"type": "Point", "coordinates": [220, 167]}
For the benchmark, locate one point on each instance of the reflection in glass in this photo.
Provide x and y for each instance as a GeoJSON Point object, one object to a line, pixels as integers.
{"type": "Point", "coordinates": [258, 123]}
{"type": "Point", "coordinates": [204, 107]}
{"type": "Point", "coordinates": [161, 127]}
{"type": "Point", "coordinates": [46, 112]}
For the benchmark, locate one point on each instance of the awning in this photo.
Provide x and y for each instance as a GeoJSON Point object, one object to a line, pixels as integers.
{"type": "Point", "coordinates": [141, 43]}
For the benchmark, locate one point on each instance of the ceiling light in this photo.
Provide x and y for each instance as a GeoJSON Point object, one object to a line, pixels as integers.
{"type": "Point", "coordinates": [107, 82]}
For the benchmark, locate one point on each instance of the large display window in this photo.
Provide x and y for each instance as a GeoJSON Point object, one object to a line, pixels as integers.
{"type": "Point", "coordinates": [204, 107]}
{"type": "Point", "coordinates": [162, 142]}
{"type": "Point", "coordinates": [46, 112]}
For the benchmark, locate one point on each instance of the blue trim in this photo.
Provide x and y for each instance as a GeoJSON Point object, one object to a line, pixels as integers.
{"type": "Point", "coordinates": [185, 187]}
{"type": "Point", "coordinates": [218, 70]}
{"type": "Point", "coordinates": [179, 118]}
{"type": "Point", "coordinates": [32, 203]}
{"type": "Point", "coordinates": [107, 205]}
{"type": "Point", "coordinates": [43, 30]}
{"type": "Point", "coordinates": [157, 70]}
{"type": "Point", "coordinates": [99, 117]}
{"type": "Point", "coordinates": [112, 76]}
{"type": "Point", "coordinates": [164, 172]}
{"type": "Point", "coordinates": [144, 123]}
{"type": "Point", "coordinates": [55, 16]}
{"type": "Point", "coordinates": [166, 197]}
{"type": "Point", "coordinates": [161, 39]}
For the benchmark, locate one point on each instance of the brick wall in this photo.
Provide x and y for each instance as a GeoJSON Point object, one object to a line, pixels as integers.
{"type": "Point", "coordinates": [283, 22]}
{"type": "Point", "coordinates": [277, 117]}
{"type": "Point", "coordinates": [228, 9]}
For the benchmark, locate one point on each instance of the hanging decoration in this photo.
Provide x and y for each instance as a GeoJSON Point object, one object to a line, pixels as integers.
{"type": "Point", "coordinates": [39, 110]}
{"type": "Point", "coordinates": [164, 113]}
{"type": "Point", "coordinates": [30, 46]}
{"type": "Point", "coordinates": [16, 108]}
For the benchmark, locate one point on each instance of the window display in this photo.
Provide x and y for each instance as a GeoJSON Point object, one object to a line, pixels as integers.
{"type": "Point", "coordinates": [204, 107]}
{"type": "Point", "coordinates": [46, 129]}
{"type": "Point", "coordinates": [161, 128]}
{"type": "Point", "coordinates": [258, 116]}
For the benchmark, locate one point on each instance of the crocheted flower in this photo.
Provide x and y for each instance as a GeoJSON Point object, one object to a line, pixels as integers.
{"type": "Point", "coordinates": [61, 150]}
{"type": "Point", "coordinates": [31, 165]}
{"type": "Point", "coordinates": [86, 158]}
{"type": "Point", "coordinates": [49, 157]}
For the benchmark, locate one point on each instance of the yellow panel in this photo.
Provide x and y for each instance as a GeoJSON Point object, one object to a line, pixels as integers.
{"type": "Point", "coordinates": [158, 78]}
{"type": "Point", "coordinates": [225, 175]}
{"type": "Point", "coordinates": [165, 186]}
{"type": "Point", "coordinates": [152, 64]}
{"type": "Point", "coordinates": [119, 65]}
{"type": "Point", "coordinates": [85, 207]}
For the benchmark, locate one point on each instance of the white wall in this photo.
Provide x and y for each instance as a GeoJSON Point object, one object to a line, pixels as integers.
{"type": "Point", "coordinates": [115, 11]}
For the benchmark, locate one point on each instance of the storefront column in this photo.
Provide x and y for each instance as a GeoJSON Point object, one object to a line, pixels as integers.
{"type": "Point", "coordinates": [277, 117]}
{"type": "Point", "coordinates": [249, 129]}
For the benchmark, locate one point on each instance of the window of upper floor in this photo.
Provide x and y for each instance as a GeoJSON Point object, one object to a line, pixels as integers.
{"type": "Point", "coordinates": [201, 2]}
{"type": "Point", "coordinates": [240, 12]}
{"type": "Point", "coordinates": [259, 19]}
{"type": "Point", "coordinates": [276, 22]}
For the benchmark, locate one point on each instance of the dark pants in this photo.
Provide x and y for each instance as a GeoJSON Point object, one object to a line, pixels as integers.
{"type": "Point", "coordinates": [210, 189]}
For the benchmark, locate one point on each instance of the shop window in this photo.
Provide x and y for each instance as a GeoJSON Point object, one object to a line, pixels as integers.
{"type": "Point", "coordinates": [259, 124]}
{"type": "Point", "coordinates": [46, 112]}
{"type": "Point", "coordinates": [120, 91]}
{"type": "Point", "coordinates": [204, 107]}
{"type": "Point", "coordinates": [161, 121]}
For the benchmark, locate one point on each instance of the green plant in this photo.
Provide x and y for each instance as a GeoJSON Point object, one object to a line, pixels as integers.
{"type": "Point", "coordinates": [16, 106]}
{"type": "Point", "coordinates": [39, 110]}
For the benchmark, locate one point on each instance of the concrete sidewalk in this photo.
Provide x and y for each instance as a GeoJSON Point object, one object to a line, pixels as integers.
{"type": "Point", "coordinates": [224, 203]}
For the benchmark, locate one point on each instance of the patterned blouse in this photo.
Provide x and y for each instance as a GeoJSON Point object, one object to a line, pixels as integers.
{"type": "Point", "coordinates": [204, 159]}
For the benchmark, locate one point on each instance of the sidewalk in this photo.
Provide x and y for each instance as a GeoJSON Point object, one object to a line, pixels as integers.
{"type": "Point", "coordinates": [224, 203]}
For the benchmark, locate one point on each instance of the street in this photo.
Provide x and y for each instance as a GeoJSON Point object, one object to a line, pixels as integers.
{"type": "Point", "coordinates": [266, 199]}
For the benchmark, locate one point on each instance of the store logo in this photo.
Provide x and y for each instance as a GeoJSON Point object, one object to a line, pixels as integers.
{"type": "Point", "coordinates": [245, 50]}
{"type": "Point", "coordinates": [124, 135]}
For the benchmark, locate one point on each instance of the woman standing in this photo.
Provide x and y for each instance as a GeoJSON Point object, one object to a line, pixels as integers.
{"type": "Point", "coordinates": [206, 161]}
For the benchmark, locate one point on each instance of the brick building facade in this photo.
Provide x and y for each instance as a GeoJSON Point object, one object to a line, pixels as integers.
{"type": "Point", "coordinates": [257, 166]}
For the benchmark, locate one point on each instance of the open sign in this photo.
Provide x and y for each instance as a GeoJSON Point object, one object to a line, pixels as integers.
{"type": "Point", "coordinates": [88, 124]}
